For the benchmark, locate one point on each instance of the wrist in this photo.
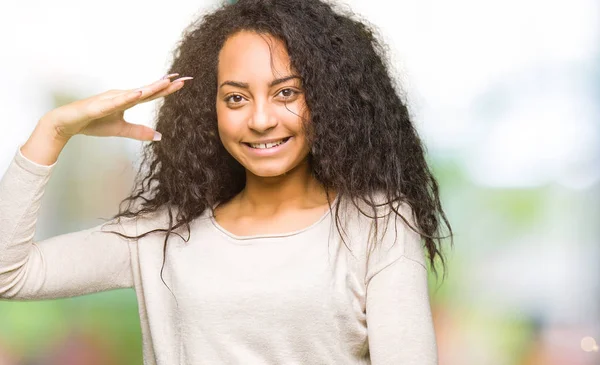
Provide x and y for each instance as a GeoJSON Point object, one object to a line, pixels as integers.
{"type": "Point", "coordinates": [44, 144]}
{"type": "Point", "coordinates": [47, 127]}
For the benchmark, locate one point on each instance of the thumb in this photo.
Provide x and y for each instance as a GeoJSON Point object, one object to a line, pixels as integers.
{"type": "Point", "coordinates": [140, 132]}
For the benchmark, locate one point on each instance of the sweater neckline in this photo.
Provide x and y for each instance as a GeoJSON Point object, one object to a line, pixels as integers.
{"type": "Point", "coordinates": [270, 235]}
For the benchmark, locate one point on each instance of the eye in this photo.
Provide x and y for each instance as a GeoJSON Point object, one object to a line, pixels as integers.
{"type": "Point", "coordinates": [288, 93]}
{"type": "Point", "coordinates": [234, 99]}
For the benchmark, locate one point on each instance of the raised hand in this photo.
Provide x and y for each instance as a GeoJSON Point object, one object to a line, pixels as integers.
{"type": "Point", "coordinates": [102, 115]}
{"type": "Point", "coordinates": [99, 115]}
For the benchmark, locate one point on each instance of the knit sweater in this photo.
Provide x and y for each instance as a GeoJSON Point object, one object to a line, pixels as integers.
{"type": "Point", "coordinates": [302, 297]}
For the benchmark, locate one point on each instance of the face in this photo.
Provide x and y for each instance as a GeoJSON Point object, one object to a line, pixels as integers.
{"type": "Point", "coordinates": [260, 105]}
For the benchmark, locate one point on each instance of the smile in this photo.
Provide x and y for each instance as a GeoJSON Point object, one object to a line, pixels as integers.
{"type": "Point", "coordinates": [267, 149]}
{"type": "Point", "coordinates": [268, 145]}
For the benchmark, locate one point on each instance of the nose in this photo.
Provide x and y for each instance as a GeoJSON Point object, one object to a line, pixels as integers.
{"type": "Point", "coordinates": [262, 118]}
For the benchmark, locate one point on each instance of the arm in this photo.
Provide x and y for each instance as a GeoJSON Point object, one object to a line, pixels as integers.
{"type": "Point", "coordinates": [80, 262]}
{"type": "Point", "coordinates": [399, 320]}
{"type": "Point", "coordinates": [400, 325]}
{"type": "Point", "coordinates": [67, 265]}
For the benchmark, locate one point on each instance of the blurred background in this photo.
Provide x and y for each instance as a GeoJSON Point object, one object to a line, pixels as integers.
{"type": "Point", "coordinates": [506, 95]}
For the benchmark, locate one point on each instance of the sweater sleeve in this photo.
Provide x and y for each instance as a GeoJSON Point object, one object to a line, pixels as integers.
{"type": "Point", "coordinates": [399, 319]}
{"type": "Point", "coordinates": [67, 265]}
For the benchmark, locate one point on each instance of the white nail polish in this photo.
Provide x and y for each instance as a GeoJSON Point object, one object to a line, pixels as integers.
{"type": "Point", "coordinates": [157, 136]}
{"type": "Point", "coordinates": [183, 78]}
{"type": "Point", "coordinates": [169, 76]}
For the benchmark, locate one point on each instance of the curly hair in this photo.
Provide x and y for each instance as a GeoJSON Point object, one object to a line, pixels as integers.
{"type": "Point", "coordinates": [363, 144]}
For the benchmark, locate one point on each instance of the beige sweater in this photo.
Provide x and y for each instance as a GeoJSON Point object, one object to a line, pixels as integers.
{"type": "Point", "coordinates": [296, 298]}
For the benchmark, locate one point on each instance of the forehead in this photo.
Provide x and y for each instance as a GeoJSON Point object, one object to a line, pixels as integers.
{"type": "Point", "coordinates": [248, 55]}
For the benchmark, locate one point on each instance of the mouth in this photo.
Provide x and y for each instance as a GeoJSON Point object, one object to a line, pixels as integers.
{"type": "Point", "coordinates": [266, 146]}
{"type": "Point", "coordinates": [268, 149]}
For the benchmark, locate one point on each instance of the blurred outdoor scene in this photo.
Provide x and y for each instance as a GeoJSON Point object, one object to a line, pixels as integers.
{"type": "Point", "coordinates": [505, 94]}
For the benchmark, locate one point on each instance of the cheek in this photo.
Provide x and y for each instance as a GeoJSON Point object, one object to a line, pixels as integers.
{"type": "Point", "coordinates": [294, 116]}
{"type": "Point", "coordinates": [227, 135]}
{"type": "Point", "coordinates": [228, 123]}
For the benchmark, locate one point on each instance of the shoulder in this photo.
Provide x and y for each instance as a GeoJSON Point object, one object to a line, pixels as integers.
{"type": "Point", "coordinates": [382, 233]}
{"type": "Point", "coordinates": [366, 211]}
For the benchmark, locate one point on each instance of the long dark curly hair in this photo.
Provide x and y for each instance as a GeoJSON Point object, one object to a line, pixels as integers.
{"type": "Point", "coordinates": [363, 144]}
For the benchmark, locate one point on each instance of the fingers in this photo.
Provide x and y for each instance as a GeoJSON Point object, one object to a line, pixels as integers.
{"type": "Point", "coordinates": [154, 87]}
{"type": "Point", "coordinates": [159, 88]}
{"type": "Point", "coordinates": [174, 86]}
{"type": "Point", "coordinates": [171, 88]}
{"type": "Point", "coordinates": [108, 106]}
{"type": "Point", "coordinates": [130, 98]}
{"type": "Point", "coordinates": [139, 132]}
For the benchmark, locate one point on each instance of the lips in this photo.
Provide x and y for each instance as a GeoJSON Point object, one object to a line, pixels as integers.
{"type": "Point", "coordinates": [263, 150]}
{"type": "Point", "coordinates": [267, 144]}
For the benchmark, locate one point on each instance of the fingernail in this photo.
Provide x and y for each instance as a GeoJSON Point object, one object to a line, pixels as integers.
{"type": "Point", "coordinates": [169, 76]}
{"type": "Point", "coordinates": [183, 78]}
{"type": "Point", "coordinates": [157, 136]}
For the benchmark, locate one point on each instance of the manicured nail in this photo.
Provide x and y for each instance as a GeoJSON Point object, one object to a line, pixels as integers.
{"type": "Point", "coordinates": [183, 78]}
{"type": "Point", "coordinates": [157, 136]}
{"type": "Point", "coordinates": [169, 76]}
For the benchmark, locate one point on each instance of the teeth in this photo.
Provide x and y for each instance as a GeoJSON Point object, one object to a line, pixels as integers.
{"type": "Point", "coordinates": [266, 145]}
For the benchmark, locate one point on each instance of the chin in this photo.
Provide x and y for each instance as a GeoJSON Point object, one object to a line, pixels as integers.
{"type": "Point", "coordinates": [268, 171]}
{"type": "Point", "coordinates": [271, 167]}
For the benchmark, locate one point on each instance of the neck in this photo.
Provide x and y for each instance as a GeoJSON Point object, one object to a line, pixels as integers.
{"type": "Point", "coordinates": [297, 188]}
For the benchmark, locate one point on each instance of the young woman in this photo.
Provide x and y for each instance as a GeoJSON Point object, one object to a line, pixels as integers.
{"type": "Point", "coordinates": [283, 212]}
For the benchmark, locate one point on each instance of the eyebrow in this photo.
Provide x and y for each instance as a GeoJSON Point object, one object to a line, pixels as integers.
{"type": "Point", "coordinates": [244, 85]}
